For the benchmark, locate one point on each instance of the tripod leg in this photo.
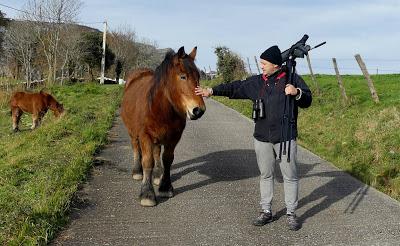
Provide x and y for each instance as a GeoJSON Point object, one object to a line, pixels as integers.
{"type": "Point", "coordinates": [286, 124]}
{"type": "Point", "coordinates": [291, 125]}
{"type": "Point", "coordinates": [284, 117]}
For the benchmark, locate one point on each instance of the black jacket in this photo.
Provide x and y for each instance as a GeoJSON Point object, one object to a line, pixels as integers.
{"type": "Point", "coordinates": [272, 91]}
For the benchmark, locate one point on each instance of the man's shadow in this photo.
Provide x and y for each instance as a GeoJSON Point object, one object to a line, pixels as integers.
{"type": "Point", "coordinates": [340, 186]}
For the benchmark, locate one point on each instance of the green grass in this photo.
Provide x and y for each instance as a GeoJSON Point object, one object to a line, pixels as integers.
{"type": "Point", "coordinates": [40, 170]}
{"type": "Point", "coordinates": [359, 136]}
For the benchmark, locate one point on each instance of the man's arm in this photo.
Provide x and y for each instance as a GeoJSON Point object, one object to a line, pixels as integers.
{"type": "Point", "coordinates": [239, 89]}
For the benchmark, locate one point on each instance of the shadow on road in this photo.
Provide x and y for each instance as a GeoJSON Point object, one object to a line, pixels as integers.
{"type": "Point", "coordinates": [338, 187]}
{"type": "Point", "coordinates": [228, 165]}
{"type": "Point", "coordinates": [232, 165]}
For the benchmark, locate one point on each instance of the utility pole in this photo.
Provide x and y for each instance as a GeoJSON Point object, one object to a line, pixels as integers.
{"type": "Point", "coordinates": [248, 63]}
{"type": "Point", "coordinates": [258, 68]}
{"type": "Point", "coordinates": [103, 57]}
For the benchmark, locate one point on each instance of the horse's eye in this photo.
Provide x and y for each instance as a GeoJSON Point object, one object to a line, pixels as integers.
{"type": "Point", "coordinates": [183, 77]}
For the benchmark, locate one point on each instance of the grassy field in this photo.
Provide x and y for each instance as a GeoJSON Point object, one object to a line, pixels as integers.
{"type": "Point", "coordinates": [40, 170]}
{"type": "Point", "coordinates": [360, 136]}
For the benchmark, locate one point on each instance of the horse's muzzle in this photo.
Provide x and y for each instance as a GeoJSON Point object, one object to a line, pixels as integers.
{"type": "Point", "coordinates": [196, 113]}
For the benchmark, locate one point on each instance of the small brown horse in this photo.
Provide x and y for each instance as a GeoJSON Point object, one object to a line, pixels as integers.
{"type": "Point", "coordinates": [154, 109]}
{"type": "Point", "coordinates": [35, 103]}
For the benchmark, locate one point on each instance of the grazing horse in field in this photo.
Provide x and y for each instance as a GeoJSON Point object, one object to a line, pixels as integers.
{"type": "Point", "coordinates": [35, 103]}
{"type": "Point", "coordinates": [154, 109]}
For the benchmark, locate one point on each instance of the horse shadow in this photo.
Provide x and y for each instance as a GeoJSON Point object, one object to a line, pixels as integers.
{"type": "Point", "coordinates": [240, 164]}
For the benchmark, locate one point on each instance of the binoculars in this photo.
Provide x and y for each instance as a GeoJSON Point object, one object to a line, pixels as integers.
{"type": "Point", "coordinates": [258, 109]}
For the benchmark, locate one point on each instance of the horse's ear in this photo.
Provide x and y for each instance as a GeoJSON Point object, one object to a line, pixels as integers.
{"type": "Point", "coordinates": [193, 53]}
{"type": "Point", "coordinates": [181, 52]}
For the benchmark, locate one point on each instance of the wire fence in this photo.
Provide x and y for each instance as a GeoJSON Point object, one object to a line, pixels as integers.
{"type": "Point", "coordinates": [345, 66]}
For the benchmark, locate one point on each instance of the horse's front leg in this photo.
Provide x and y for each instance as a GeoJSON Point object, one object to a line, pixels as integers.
{"type": "Point", "coordinates": [166, 189]}
{"type": "Point", "coordinates": [158, 167]}
{"type": "Point", "coordinates": [40, 118]}
{"type": "Point", "coordinates": [35, 120]}
{"type": "Point", "coordinates": [147, 195]}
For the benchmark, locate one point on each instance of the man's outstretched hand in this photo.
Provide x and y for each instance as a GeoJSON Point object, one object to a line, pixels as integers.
{"type": "Point", "coordinates": [204, 92]}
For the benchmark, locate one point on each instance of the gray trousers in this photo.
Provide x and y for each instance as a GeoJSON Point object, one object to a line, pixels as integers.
{"type": "Point", "coordinates": [266, 158]}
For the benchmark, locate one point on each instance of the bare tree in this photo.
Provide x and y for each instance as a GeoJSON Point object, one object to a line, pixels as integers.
{"type": "Point", "coordinates": [50, 17]}
{"type": "Point", "coordinates": [133, 53]}
{"type": "Point", "coordinates": [69, 50]}
{"type": "Point", "coordinates": [122, 42]}
{"type": "Point", "coordinates": [149, 55]}
{"type": "Point", "coordinates": [21, 44]}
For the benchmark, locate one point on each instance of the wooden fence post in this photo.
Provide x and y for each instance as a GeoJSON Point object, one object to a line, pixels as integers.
{"type": "Point", "coordinates": [339, 79]}
{"type": "Point", "coordinates": [369, 80]}
{"type": "Point", "coordinates": [258, 68]}
{"type": "Point", "coordinates": [312, 74]}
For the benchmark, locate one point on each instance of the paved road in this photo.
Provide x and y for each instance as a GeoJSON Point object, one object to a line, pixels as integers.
{"type": "Point", "coordinates": [215, 177]}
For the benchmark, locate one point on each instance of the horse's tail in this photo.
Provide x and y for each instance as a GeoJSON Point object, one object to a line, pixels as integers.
{"type": "Point", "coordinates": [138, 73]}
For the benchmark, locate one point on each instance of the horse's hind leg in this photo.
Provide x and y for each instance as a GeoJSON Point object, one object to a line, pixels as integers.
{"type": "Point", "coordinates": [158, 168]}
{"type": "Point", "coordinates": [147, 195]}
{"type": "Point", "coordinates": [16, 116]}
{"type": "Point", "coordinates": [137, 173]}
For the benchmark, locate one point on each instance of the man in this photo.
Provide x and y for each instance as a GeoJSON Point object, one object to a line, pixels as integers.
{"type": "Point", "coordinates": [271, 87]}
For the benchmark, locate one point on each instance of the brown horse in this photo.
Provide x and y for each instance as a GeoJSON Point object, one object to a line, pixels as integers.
{"type": "Point", "coordinates": [154, 109]}
{"type": "Point", "coordinates": [35, 103]}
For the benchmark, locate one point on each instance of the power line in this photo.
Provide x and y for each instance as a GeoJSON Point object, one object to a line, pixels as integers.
{"type": "Point", "coordinates": [23, 11]}
{"type": "Point", "coordinates": [29, 13]}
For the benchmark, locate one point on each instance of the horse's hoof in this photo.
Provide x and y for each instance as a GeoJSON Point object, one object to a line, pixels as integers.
{"type": "Point", "coordinates": [166, 194]}
{"type": "Point", "coordinates": [148, 202]}
{"type": "Point", "coordinates": [157, 181]}
{"type": "Point", "coordinates": [137, 176]}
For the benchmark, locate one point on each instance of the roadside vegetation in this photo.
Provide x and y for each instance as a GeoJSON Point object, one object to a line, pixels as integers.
{"type": "Point", "coordinates": [40, 170]}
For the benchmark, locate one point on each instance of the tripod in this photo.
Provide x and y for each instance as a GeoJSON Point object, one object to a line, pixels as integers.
{"type": "Point", "coordinates": [299, 49]}
{"type": "Point", "coordinates": [288, 121]}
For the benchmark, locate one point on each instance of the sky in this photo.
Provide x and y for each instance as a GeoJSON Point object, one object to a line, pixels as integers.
{"type": "Point", "coordinates": [369, 28]}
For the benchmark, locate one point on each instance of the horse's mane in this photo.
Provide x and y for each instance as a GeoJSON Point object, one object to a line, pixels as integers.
{"type": "Point", "coordinates": [162, 71]}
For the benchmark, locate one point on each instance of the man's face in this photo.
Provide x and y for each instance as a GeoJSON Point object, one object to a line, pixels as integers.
{"type": "Point", "coordinates": [267, 67]}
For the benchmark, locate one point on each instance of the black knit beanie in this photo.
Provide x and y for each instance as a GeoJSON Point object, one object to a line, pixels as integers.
{"type": "Point", "coordinates": [273, 55]}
